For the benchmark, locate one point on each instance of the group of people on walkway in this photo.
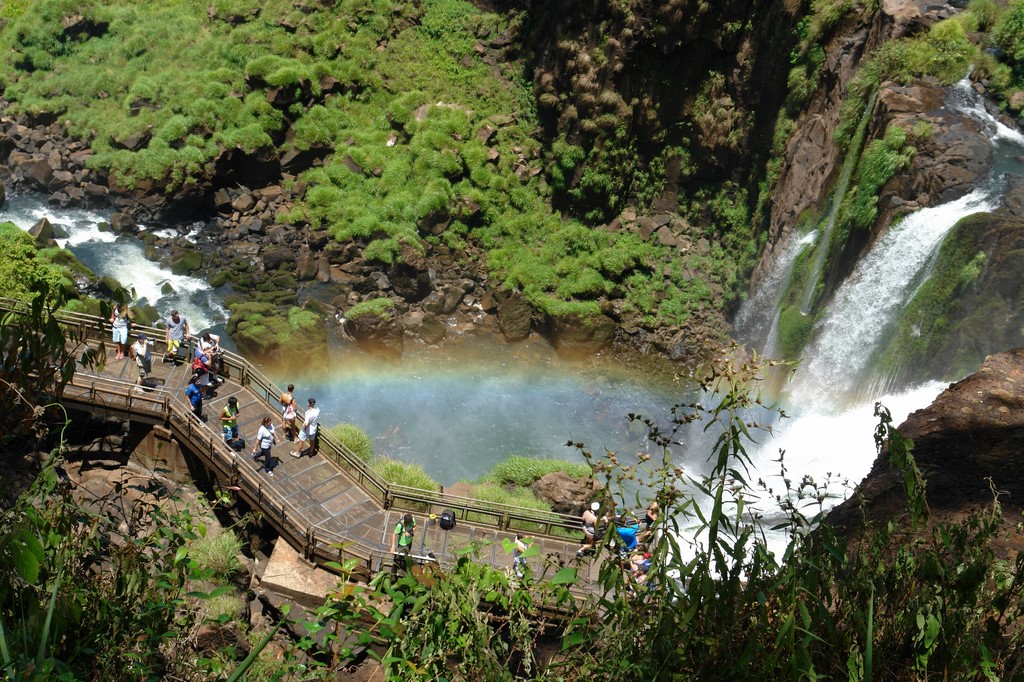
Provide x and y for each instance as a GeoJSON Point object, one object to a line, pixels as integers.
{"type": "Point", "coordinates": [209, 372]}
{"type": "Point", "coordinates": [629, 541]}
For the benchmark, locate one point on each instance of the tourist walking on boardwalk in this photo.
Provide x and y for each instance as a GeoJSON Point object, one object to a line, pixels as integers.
{"type": "Point", "coordinates": [201, 368]}
{"type": "Point", "coordinates": [518, 562]}
{"type": "Point", "coordinates": [194, 391]}
{"type": "Point", "coordinates": [265, 439]}
{"type": "Point", "coordinates": [401, 541]}
{"type": "Point", "coordinates": [589, 520]}
{"type": "Point", "coordinates": [289, 411]}
{"type": "Point", "coordinates": [140, 353]}
{"type": "Point", "coordinates": [177, 332]}
{"type": "Point", "coordinates": [210, 345]}
{"type": "Point", "coordinates": [309, 434]}
{"type": "Point", "coordinates": [119, 327]}
{"type": "Point", "coordinates": [229, 420]}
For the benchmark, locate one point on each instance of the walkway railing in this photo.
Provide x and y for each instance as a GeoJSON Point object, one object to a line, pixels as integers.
{"type": "Point", "coordinates": [317, 544]}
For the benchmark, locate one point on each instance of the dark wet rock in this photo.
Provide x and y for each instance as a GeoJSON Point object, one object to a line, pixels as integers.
{"type": "Point", "coordinates": [376, 331]}
{"type": "Point", "coordinates": [424, 327]}
{"type": "Point", "coordinates": [565, 494]}
{"type": "Point", "coordinates": [515, 315]}
{"type": "Point", "coordinates": [967, 443]}
{"type": "Point", "coordinates": [123, 223]}
{"type": "Point", "coordinates": [277, 257]}
{"type": "Point", "coordinates": [579, 333]}
{"type": "Point", "coordinates": [42, 231]}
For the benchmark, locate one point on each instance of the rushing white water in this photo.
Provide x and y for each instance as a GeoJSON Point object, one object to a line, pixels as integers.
{"type": "Point", "coordinates": [836, 361]}
{"type": "Point", "coordinates": [122, 258]}
{"type": "Point", "coordinates": [758, 319]}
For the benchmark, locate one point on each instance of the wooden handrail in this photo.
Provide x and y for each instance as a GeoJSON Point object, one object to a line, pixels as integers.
{"type": "Point", "coordinates": [493, 514]}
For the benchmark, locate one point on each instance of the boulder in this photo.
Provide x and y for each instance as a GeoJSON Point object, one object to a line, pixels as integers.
{"type": "Point", "coordinates": [424, 327]}
{"type": "Point", "coordinates": [379, 332]}
{"type": "Point", "coordinates": [580, 333]}
{"type": "Point", "coordinates": [565, 494]}
{"type": "Point", "coordinates": [967, 443]}
{"type": "Point", "coordinates": [515, 315]}
{"type": "Point", "coordinates": [42, 231]}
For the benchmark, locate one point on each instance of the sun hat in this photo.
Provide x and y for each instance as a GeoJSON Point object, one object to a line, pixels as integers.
{"type": "Point", "coordinates": [594, 506]}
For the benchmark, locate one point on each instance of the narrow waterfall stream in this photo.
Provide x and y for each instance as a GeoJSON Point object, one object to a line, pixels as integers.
{"type": "Point", "coordinates": [824, 245]}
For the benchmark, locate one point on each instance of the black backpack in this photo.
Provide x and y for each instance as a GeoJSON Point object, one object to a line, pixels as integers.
{"type": "Point", "coordinates": [447, 521]}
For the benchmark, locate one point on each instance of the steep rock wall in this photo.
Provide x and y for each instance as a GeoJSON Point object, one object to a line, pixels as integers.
{"type": "Point", "coordinates": [813, 159]}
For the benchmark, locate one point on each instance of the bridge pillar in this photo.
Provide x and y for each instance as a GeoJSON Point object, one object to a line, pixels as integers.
{"type": "Point", "coordinates": [160, 451]}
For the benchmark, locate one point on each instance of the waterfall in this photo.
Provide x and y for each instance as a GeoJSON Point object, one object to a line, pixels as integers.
{"type": "Point", "coordinates": [825, 245]}
{"type": "Point", "coordinates": [758, 319]}
{"type": "Point", "coordinates": [832, 394]}
{"type": "Point", "coordinates": [835, 363]}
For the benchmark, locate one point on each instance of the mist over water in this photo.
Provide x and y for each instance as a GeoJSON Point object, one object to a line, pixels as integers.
{"type": "Point", "coordinates": [459, 413]}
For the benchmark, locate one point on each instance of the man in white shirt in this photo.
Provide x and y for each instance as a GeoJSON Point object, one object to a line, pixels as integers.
{"type": "Point", "coordinates": [308, 434]}
{"type": "Point", "coordinates": [177, 333]}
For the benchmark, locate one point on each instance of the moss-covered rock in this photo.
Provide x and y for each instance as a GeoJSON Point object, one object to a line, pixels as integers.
{"type": "Point", "coordinates": [184, 261]}
{"type": "Point", "coordinates": [794, 331]}
{"type": "Point", "coordinates": [972, 304]}
{"type": "Point", "coordinates": [376, 326]}
{"type": "Point", "coordinates": [260, 328]}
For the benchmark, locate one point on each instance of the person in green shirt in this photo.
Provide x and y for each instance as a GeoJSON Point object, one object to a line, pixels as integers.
{"type": "Point", "coordinates": [402, 540]}
{"type": "Point", "coordinates": [229, 420]}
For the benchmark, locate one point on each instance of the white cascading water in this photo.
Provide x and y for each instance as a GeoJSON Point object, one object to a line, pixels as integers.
{"type": "Point", "coordinates": [836, 363]}
{"type": "Point", "coordinates": [831, 398]}
{"type": "Point", "coordinates": [758, 319]}
{"type": "Point", "coordinates": [123, 258]}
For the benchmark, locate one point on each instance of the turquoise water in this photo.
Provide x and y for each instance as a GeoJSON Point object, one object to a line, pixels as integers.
{"type": "Point", "coordinates": [458, 413]}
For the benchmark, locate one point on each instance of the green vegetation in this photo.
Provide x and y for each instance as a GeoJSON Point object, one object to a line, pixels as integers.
{"type": "Point", "coordinates": [23, 268]}
{"type": "Point", "coordinates": [381, 307]}
{"type": "Point", "coordinates": [217, 553]}
{"type": "Point", "coordinates": [354, 438]}
{"type": "Point", "coordinates": [881, 160]}
{"type": "Point", "coordinates": [405, 98]}
{"type": "Point", "coordinates": [523, 471]}
{"type": "Point", "coordinates": [73, 609]}
{"type": "Point", "coordinates": [404, 473]}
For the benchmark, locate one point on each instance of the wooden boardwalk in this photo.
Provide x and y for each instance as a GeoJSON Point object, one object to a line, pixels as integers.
{"type": "Point", "coordinates": [331, 507]}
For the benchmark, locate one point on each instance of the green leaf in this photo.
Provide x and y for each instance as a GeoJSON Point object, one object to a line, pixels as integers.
{"type": "Point", "coordinates": [565, 576]}
{"type": "Point", "coordinates": [25, 562]}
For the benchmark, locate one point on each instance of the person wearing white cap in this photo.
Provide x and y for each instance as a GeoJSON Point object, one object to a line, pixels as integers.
{"type": "Point", "coordinates": [140, 351]}
{"type": "Point", "coordinates": [589, 529]}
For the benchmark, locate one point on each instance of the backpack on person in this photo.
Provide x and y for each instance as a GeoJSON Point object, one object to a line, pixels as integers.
{"type": "Point", "coordinates": [447, 521]}
{"type": "Point", "coordinates": [198, 366]}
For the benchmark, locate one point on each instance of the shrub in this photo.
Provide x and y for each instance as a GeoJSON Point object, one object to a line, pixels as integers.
{"type": "Point", "coordinates": [404, 473]}
{"type": "Point", "coordinates": [222, 606]}
{"type": "Point", "coordinates": [375, 306]}
{"type": "Point", "coordinates": [217, 553]}
{"type": "Point", "coordinates": [523, 471]}
{"type": "Point", "coordinates": [1009, 32]}
{"type": "Point", "coordinates": [354, 438]}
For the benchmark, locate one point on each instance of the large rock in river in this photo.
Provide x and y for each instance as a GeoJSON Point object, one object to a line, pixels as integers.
{"type": "Point", "coordinates": [967, 443]}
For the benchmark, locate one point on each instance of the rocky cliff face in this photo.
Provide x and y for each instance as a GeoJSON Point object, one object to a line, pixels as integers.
{"type": "Point", "coordinates": [969, 445]}
{"type": "Point", "coordinates": [954, 157]}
